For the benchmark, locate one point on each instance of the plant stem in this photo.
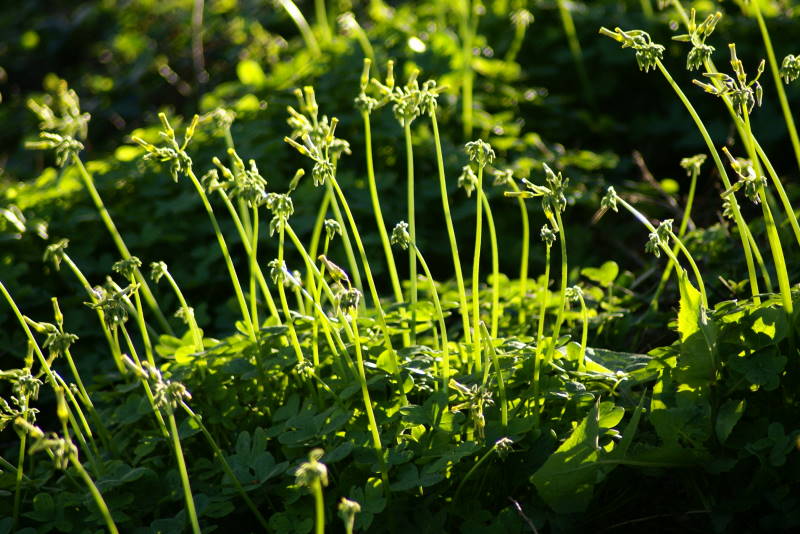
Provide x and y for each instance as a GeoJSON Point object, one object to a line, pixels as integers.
{"type": "Point", "coordinates": [412, 230]}
{"type": "Point", "coordinates": [262, 282]}
{"type": "Point", "coordinates": [773, 66]}
{"type": "Point", "coordinates": [562, 238]}
{"type": "Point", "coordinates": [740, 223]}
{"type": "Point", "coordinates": [462, 293]}
{"type": "Point", "coordinates": [187, 490]}
{"type": "Point", "coordinates": [226, 255]}
{"type": "Point", "coordinates": [523, 264]}
{"type": "Point", "coordinates": [575, 49]}
{"type": "Point", "coordinates": [501, 385]}
{"type": "Point", "coordinates": [476, 263]}
{"type": "Point", "coordinates": [322, 20]}
{"type": "Point", "coordinates": [495, 267]}
{"type": "Point", "coordinates": [302, 25]}
{"type": "Point", "coordinates": [188, 312]}
{"type": "Point", "coordinates": [118, 241]}
{"type": "Point", "coordinates": [319, 507]}
{"type": "Point", "coordinates": [284, 304]}
{"type": "Point", "coordinates": [96, 495]}
{"type": "Point", "coordinates": [381, 317]}
{"type": "Point", "coordinates": [226, 466]}
{"type": "Point", "coordinates": [348, 246]}
{"type": "Point", "coordinates": [537, 363]}
{"type": "Point", "coordinates": [362, 378]}
{"type": "Point", "coordinates": [440, 316]}
{"type": "Point", "coordinates": [253, 255]}
{"type": "Point", "coordinates": [376, 208]}
{"type": "Point", "coordinates": [584, 333]}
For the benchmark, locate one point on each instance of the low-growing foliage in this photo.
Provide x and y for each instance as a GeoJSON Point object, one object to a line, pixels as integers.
{"type": "Point", "coordinates": [471, 402]}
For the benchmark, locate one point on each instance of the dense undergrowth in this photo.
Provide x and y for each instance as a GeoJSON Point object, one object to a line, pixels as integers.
{"type": "Point", "coordinates": [326, 294]}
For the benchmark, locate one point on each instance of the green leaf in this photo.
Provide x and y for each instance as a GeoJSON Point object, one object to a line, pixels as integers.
{"type": "Point", "coordinates": [250, 73]}
{"type": "Point", "coordinates": [729, 414]}
{"type": "Point", "coordinates": [761, 368]}
{"type": "Point", "coordinates": [566, 480]}
{"type": "Point", "coordinates": [603, 275]}
{"type": "Point", "coordinates": [689, 312]}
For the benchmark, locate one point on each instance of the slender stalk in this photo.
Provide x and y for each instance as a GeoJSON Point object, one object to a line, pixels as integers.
{"type": "Point", "coordinates": [584, 332]}
{"type": "Point", "coordinates": [472, 470]}
{"type": "Point", "coordinates": [740, 223]}
{"type": "Point", "coordinates": [476, 263]}
{"type": "Point", "coordinates": [440, 316]}
{"type": "Point", "coordinates": [197, 337]}
{"type": "Point", "coordinates": [376, 208]}
{"type": "Point", "coordinates": [769, 223]}
{"type": "Point", "coordinates": [462, 293]}
{"type": "Point", "coordinates": [562, 238]}
{"type": "Point", "coordinates": [381, 317]}
{"type": "Point", "coordinates": [773, 67]}
{"type": "Point", "coordinates": [537, 363]}
{"type": "Point", "coordinates": [412, 230]}
{"type": "Point", "coordinates": [226, 466]}
{"type": "Point", "coordinates": [575, 49]}
{"type": "Point", "coordinates": [20, 471]}
{"type": "Point", "coordinates": [468, 27]}
{"type": "Point", "coordinates": [319, 507]}
{"type": "Point", "coordinates": [262, 282]}
{"type": "Point", "coordinates": [284, 303]}
{"type": "Point", "coordinates": [187, 490]}
{"type": "Point", "coordinates": [776, 182]}
{"type": "Point", "coordinates": [118, 241]}
{"type": "Point", "coordinates": [96, 495]}
{"type": "Point", "coordinates": [348, 246]}
{"type": "Point", "coordinates": [496, 311]}
{"type": "Point", "coordinates": [302, 25]}
{"type": "Point", "coordinates": [523, 263]}
{"type": "Point", "coordinates": [226, 255]}
{"type": "Point", "coordinates": [362, 378]}
{"type": "Point", "coordinates": [253, 255]}
{"type": "Point", "coordinates": [647, 8]}
{"type": "Point", "coordinates": [501, 385]}
{"type": "Point", "coordinates": [323, 23]}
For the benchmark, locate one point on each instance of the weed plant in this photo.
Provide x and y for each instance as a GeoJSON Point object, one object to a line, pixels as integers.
{"type": "Point", "coordinates": [477, 404]}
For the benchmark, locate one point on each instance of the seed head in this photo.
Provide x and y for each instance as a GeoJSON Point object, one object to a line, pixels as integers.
{"type": "Point", "coordinates": [648, 53]}
{"type": "Point", "coordinates": [56, 252]}
{"type": "Point", "coordinates": [468, 181]}
{"type": "Point", "coordinates": [790, 68]}
{"type": "Point", "coordinates": [480, 152]}
{"type": "Point", "coordinates": [127, 267]}
{"type": "Point", "coordinates": [400, 235]}
{"type": "Point", "coordinates": [313, 471]}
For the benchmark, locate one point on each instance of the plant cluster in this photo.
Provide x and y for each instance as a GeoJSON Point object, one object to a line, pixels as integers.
{"type": "Point", "coordinates": [478, 403]}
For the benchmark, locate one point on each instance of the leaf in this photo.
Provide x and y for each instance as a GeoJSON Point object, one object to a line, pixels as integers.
{"type": "Point", "coordinates": [567, 478]}
{"type": "Point", "coordinates": [689, 312]}
{"type": "Point", "coordinates": [603, 275]}
{"type": "Point", "coordinates": [761, 368]}
{"type": "Point", "coordinates": [251, 73]}
{"type": "Point", "coordinates": [729, 414]}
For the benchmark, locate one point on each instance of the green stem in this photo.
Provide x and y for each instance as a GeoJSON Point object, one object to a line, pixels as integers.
{"type": "Point", "coordinates": [253, 255]}
{"type": "Point", "coordinates": [501, 385]}
{"type": "Point", "coordinates": [96, 495]}
{"type": "Point", "coordinates": [19, 474]}
{"type": "Point", "coordinates": [226, 466]}
{"type": "Point", "coordinates": [773, 66]}
{"type": "Point", "coordinates": [584, 333]}
{"type": "Point", "coordinates": [575, 49]}
{"type": "Point", "coordinates": [476, 263]}
{"type": "Point", "coordinates": [440, 316]}
{"type": "Point", "coordinates": [647, 8]}
{"type": "Point", "coordinates": [187, 490]}
{"type": "Point", "coordinates": [472, 471]}
{"type": "Point", "coordinates": [562, 238]}
{"type": "Point", "coordinates": [118, 241]}
{"type": "Point", "coordinates": [226, 255]}
{"type": "Point", "coordinates": [496, 311]}
{"type": "Point", "coordinates": [412, 230]}
{"type": "Point", "coordinates": [362, 378]}
{"type": "Point", "coordinates": [197, 337]}
{"type": "Point", "coordinates": [740, 223]}
{"type": "Point", "coordinates": [262, 282]}
{"type": "Point", "coordinates": [284, 303]}
{"type": "Point", "coordinates": [348, 246]}
{"type": "Point", "coordinates": [537, 364]}
{"type": "Point", "coordinates": [322, 20]}
{"type": "Point", "coordinates": [787, 205]}
{"type": "Point", "coordinates": [462, 293]}
{"type": "Point", "coordinates": [319, 507]}
{"type": "Point", "coordinates": [381, 317]}
{"type": "Point", "coordinates": [376, 208]}
{"type": "Point", "coordinates": [523, 264]}
{"type": "Point", "coordinates": [302, 25]}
